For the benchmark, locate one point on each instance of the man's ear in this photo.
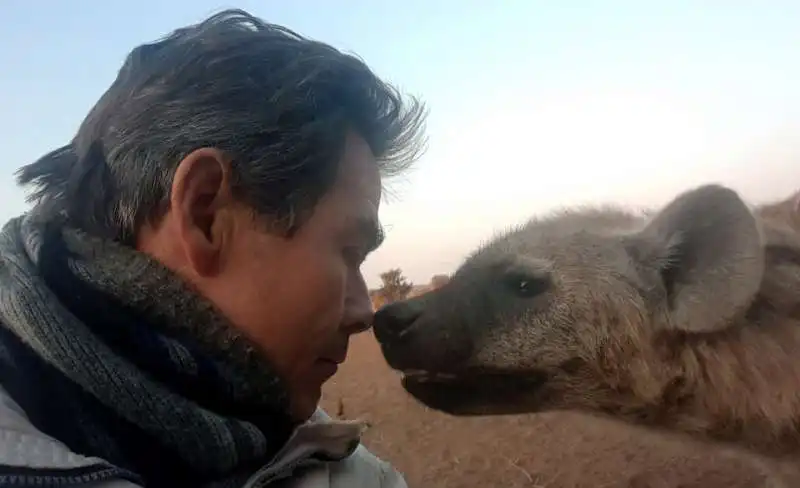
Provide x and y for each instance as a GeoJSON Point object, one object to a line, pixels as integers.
{"type": "Point", "coordinates": [707, 247]}
{"type": "Point", "coordinates": [200, 193]}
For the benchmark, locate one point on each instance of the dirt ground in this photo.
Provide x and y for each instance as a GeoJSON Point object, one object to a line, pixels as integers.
{"type": "Point", "coordinates": [561, 450]}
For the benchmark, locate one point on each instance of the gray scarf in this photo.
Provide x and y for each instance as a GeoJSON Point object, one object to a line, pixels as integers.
{"type": "Point", "coordinates": [147, 374]}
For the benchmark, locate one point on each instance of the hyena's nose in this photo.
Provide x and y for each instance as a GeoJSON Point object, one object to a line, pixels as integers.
{"type": "Point", "coordinates": [394, 321]}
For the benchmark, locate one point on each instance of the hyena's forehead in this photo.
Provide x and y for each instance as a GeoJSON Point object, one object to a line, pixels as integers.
{"type": "Point", "coordinates": [573, 245]}
{"type": "Point", "coordinates": [565, 225]}
{"type": "Point", "coordinates": [601, 219]}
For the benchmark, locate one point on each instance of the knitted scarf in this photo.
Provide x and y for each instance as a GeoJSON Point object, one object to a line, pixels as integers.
{"type": "Point", "coordinates": [110, 353]}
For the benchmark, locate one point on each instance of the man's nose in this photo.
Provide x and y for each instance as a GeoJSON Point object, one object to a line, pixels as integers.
{"type": "Point", "coordinates": [358, 313]}
{"type": "Point", "coordinates": [393, 321]}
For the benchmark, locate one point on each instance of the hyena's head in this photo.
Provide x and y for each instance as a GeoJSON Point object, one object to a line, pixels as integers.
{"type": "Point", "coordinates": [569, 311]}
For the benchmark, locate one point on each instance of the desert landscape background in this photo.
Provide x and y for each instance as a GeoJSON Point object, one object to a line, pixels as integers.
{"type": "Point", "coordinates": [564, 450]}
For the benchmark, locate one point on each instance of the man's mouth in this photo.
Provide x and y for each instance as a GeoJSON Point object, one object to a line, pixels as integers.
{"type": "Point", "coordinates": [336, 353]}
{"type": "Point", "coordinates": [327, 367]}
{"type": "Point", "coordinates": [335, 359]}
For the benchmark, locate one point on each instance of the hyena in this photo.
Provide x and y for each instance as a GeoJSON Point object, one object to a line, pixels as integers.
{"type": "Point", "coordinates": [685, 319]}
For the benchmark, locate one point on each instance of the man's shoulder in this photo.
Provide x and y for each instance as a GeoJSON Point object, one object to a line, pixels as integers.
{"type": "Point", "coordinates": [24, 448]}
{"type": "Point", "coordinates": [350, 463]}
{"type": "Point", "coordinates": [366, 468]}
{"type": "Point", "coordinates": [361, 469]}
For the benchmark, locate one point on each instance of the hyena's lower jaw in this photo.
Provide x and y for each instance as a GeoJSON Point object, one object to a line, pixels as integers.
{"type": "Point", "coordinates": [423, 376]}
{"type": "Point", "coordinates": [473, 393]}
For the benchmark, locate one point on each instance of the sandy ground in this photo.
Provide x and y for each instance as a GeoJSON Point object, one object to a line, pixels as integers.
{"type": "Point", "coordinates": [549, 450]}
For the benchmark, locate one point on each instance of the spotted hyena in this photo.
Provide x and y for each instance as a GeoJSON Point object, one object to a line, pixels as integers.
{"type": "Point", "coordinates": [687, 318]}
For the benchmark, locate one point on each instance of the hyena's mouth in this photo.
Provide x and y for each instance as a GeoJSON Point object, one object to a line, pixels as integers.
{"type": "Point", "coordinates": [424, 376]}
{"type": "Point", "coordinates": [475, 392]}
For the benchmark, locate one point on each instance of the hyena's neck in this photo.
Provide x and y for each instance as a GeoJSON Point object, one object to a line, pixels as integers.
{"type": "Point", "coordinates": [743, 388]}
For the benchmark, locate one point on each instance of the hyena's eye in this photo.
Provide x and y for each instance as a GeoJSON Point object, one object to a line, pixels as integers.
{"type": "Point", "coordinates": [526, 285]}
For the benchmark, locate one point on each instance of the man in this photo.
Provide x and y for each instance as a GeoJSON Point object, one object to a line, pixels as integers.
{"type": "Point", "coordinates": [189, 276]}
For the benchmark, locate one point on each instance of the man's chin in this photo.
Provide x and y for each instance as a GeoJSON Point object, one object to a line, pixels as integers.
{"type": "Point", "coordinates": [305, 404]}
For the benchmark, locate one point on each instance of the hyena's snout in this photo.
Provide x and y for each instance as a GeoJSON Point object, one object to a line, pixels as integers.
{"type": "Point", "coordinates": [394, 326]}
{"type": "Point", "coordinates": [415, 336]}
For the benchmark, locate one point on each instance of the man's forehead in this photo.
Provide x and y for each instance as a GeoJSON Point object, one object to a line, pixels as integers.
{"type": "Point", "coordinates": [369, 228]}
{"type": "Point", "coordinates": [359, 173]}
{"type": "Point", "coordinates": [360, 189]}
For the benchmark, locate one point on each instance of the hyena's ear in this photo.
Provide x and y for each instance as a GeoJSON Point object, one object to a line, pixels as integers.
{"type": "Point", "coordinates": [707, 248]}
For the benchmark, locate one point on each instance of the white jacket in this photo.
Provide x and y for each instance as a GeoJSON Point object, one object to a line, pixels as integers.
{"type": "Point", "coordinates": [21, 444]}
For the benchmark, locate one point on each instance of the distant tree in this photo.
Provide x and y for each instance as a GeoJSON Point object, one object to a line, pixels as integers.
{"type": "Point", "coordinates": [376, 297]}
{"type": "Point", "coordinates": [438, 281]}
{"type": "Point", "coordinates": [395, 285]}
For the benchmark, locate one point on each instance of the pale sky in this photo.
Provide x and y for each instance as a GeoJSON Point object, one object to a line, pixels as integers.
{"type": "Point", "coordinates": [534, 104]}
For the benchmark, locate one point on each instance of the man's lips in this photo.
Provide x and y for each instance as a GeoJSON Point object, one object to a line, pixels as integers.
{"type": "Point", "coordinates": [336, 356]}
{"type": "Point", "coordinates": [333, 356]}
{"type": "Point", "coordinates": [337, 360]}
{"type": "Point", "coordinates": [327, 367]}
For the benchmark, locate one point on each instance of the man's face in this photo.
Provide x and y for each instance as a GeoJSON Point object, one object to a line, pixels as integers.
{"type": "Point", "coordinates": [298, 298]}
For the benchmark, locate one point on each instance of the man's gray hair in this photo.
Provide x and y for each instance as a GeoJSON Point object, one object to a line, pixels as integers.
{"type": "Point", "coordinates": [278, 104]}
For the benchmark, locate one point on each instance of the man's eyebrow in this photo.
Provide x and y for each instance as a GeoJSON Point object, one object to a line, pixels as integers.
{"type": "Point", "coordinates": [371, 231]}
